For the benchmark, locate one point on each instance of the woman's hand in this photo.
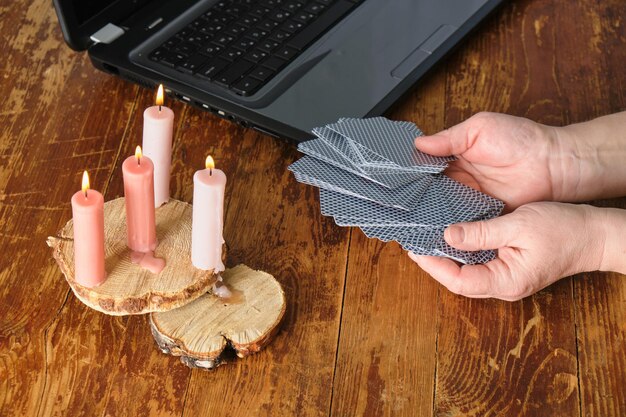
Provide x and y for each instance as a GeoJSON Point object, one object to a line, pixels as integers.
{"type": "Point", "coordinates": [537, 244]}
{"type": "Point", "coordinates": [510, 158]}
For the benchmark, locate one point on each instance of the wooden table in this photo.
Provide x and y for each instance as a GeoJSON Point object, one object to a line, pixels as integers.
{"type": "Point", "coordinates": [366, 331]}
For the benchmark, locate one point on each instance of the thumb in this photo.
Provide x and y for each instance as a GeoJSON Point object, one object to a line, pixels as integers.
{"type": "Point", "coordinates": [482, 235]}
{"type": "Point", "coordinates": [452, 141]}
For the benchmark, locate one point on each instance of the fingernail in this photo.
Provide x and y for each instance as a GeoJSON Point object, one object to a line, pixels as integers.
{"type": "Point", "coordinates": [456, 234]}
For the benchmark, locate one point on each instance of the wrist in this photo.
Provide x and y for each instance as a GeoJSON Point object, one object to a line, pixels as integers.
{"type": "Point", "coordinates": [564, 163]}
{"type": "Point", "coordinates": [611, 223]}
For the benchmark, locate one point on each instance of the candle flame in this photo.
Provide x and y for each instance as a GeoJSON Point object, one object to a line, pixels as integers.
{"type": "Point", "coordinates": [159, 96]}
{"type": "Point", "coordinates": [85, 182]}
{"type": "Point", "coordinates": [138, 154]}
{"type": "Point", "coordinates": [209, 163]}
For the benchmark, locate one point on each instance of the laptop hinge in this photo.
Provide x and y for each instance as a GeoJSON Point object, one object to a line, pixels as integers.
{"type": "Point", "coordinates": [107, 34]}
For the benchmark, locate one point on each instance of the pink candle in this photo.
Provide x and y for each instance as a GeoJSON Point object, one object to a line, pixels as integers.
{"type": "Point", "coordinates": [158, 124]}
{"type": "Point", "coordinates": [88, 217]}
{"type": "Point", "coordinates": [138, 174]}
{"type": "Point", "coordinates": [208, 218]}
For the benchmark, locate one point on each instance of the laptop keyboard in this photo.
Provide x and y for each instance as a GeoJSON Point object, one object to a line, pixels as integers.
{"type": "Point", "coordinates": [242, 44]}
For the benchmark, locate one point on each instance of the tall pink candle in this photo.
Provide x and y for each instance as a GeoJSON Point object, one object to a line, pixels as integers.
{"type": "Point", "coordinates": [138, 172]}
{"type": "Point", "coordinates": [88, 218]}
{"type": "Point", "coordinates": [208, 218]}
{"type": "Point", "coordinates": [158, 124]}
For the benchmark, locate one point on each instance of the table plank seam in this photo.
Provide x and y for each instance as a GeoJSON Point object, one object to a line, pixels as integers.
{"type": "Point", "coordinates": [343, 297]}
{"type": "Point", "coordinates": [580, 393]}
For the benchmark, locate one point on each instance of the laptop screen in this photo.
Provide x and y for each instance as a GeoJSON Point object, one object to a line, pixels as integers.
{"type": "Point", "coordinates": [86, 9]}
{"type": "Point", "coordinates": [80, 19]}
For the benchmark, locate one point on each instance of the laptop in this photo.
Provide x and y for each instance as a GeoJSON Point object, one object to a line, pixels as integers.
{"type": "Point", "coordinates": [281, 67]}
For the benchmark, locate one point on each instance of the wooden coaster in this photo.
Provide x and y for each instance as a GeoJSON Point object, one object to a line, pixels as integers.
{"type": "Point", "coordinates": [200, 331]}
{"type": "Point", "coordinates": [130, 289]}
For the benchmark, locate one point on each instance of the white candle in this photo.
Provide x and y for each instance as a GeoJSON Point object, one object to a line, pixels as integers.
{"type": "Point", "coordinates": [158, 125]}
{"type": "Point", "coordinates": [208, 218]}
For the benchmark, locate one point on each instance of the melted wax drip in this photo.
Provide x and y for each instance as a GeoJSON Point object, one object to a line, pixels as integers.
{"type": "Point", "coordinates": [148, 261]}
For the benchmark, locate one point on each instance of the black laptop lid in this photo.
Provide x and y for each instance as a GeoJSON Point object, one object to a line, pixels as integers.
{"type": "Point", "coordinates": [82, 18]}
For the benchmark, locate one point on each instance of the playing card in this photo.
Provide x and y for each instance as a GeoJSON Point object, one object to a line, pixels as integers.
{"type": "Point", "coordinates": [320, 149]}
{"type": "Point", "coordinates": [391, 141]}
{"type": "Point", "coordinates": [444, 202]}
{"type": "Point", "coordinates": [358, 154]}
{"type": "Point", "coordinates": [323, 175]}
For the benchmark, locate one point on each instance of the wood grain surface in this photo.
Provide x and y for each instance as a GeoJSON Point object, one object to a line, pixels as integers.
{"type": "Point", "coordinates": [365, 332]}
{"type": "Point", "coordinates": [129, 288]}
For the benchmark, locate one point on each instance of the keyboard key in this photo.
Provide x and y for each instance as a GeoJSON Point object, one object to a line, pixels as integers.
{"type": "Point", "coordinates": [280, 36]}
{"type": "Point", "coordinates": [286, 52]}
{"type": "Point", "coordinates": [255, 56]}
{"type": "Point", "coordinates": [221, 5]}
{"type": "Point", "coordinates": [249, 20]}
{"type": "Point", "coordinates": [274, 63]}
{"type": "Point", "coordinates": [259, 11]}
{"type": "Point", "coordinates": [246, 86]}
{"type": "Point", "coordinates": [223, 39]}
{"type": "Point", "coordinates": [223, 18]}
{"type": "Point", "coordinates": [171, 59]}
{"type": "Point", "coordinates": [212, 49]}
{"type": "Point", "coordinates": [314, 8]}
{"type": "Point", "coordinates": [192, 64]}
{"type": "Point", "coordinates": [185, 48]}
{"type": "Point", "coordinates": [304, 17]}
{"type": "Point", "coordinates": [244, 44]}
{"type": "Point", "coordinates": [268, 25]}
{"type": "Point", "coordinates": [172, 42]}
{"type": "Point", "coordinates": [232, 54]}
{"type": "Point", "coordinates": [212, 27]}
{"type": "Point", "coordinates": [279, 15]}
{"type": "Point", "coordinates": [234, 72]}
{"type": "Point", "coordinates": [184, 33]}
{"type": "Point", "coordinates": [235, 11]}
{"type": "Point", "coordinates": [292, 6]}
{"type": "Point", "coordinates": [157, 54]}
{"type": "Point", "coordinates": [261, 73]}
{"type": "Point", "coordinates": [256, 33]}
{"type": "Point", "coordinates": [268, 45]}
{"type": "Point", "coordinates": [291, 26]}
{"type": "Point", "coordinates": [213, 68]}
{"type": "Point", "coordinates": [320, 25]}
{"type": "Point", "coordinates": [272, 3]}
{"type": "Point", "coordinates": [198, 39]}
{"type": "Point", "coordinates": [237, 29]}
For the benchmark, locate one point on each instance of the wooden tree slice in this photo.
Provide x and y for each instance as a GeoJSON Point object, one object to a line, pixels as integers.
{"type": "Point", "coordinates": [200, 331]}
{"type": "Point", "coordinates": [130, 289]}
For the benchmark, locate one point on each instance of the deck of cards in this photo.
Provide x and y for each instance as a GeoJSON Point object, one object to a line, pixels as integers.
{"type": "Point", "coordinates": [370, 175]}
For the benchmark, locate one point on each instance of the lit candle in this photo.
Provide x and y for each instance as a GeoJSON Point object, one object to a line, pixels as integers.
{"type": "Point", "coordinates": [208, 218]}
{"type": "Point", "coordinates": [138, 174]}
{"type": "Point", "coordinates": [158, 124]}
{"type": "Point", "coordinates": [88, 218]}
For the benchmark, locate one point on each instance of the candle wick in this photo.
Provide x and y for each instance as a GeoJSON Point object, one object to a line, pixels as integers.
{"type": "Point", "coordinates": [86, 191]}
{"type": "Point", "coordinates": [211, 172]}
{"type": "Point", "coordinates": [138, 161]}
{"type": "Point", "coordinates": [159, 107]}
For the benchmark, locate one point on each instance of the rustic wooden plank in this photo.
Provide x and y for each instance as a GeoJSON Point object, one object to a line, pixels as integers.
{"type": "Point", "coordinates": [387, 350]}
{"type": "Point", "coordinates": [50, 130]}
{"type": "Point", "coordinates": [593, 79]}
{"type": "Point", "coordinates": [274, 224]}
{"type": "Point", "coordinates": [498, 358]}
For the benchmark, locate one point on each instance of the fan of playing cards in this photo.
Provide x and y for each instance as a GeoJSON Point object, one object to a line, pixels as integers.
{"type": "Point", "coordinates": [371, 175]}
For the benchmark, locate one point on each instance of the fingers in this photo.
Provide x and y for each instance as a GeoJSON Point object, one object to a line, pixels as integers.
{"type": "Point", "coordinates": [491, 280]}
{"type": "Point", "coordinates": [452, 141]}
{"type": "Point", "coordinates": [469, 280]}
{"type": "Point", "coordinates": [482, 235]}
